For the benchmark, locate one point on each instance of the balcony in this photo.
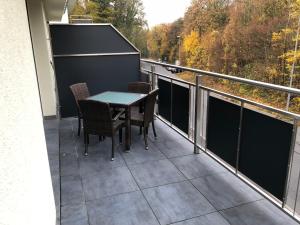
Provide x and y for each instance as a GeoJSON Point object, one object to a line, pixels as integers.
{"type": "Point", "coordinates": [168, 184]}
{"type": "Point", "coordinates": [218, 159]}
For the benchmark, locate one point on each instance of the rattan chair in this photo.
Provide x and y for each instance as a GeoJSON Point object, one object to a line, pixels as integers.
{"type": "Point", "coordinates": [97, 120]}
{"type": "Point", "coordinates": [144, 119]}
{"type": "Point", "coordinates": [139, 87]}
{"type": "Point", "coordinates": [80, 91]}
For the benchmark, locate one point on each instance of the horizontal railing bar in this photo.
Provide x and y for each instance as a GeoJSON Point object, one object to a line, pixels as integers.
{"type": "Point", "coordinates": [79, 24]}
{"type": "Point", "coordinates": [286, 113]}
{"type": "Point", "coordinates": [171, 78]}
{"type": "Point", "coordinates": [96, 54]}
{"type": "Point", "coordinates": [228, 77]}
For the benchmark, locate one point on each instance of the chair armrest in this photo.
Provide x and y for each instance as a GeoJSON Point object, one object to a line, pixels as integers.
{"type": "Point", "coordinates": [118, 115]}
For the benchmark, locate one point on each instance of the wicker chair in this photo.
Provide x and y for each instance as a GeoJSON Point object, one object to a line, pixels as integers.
{"type": "Point", "coordinates": [80, 91]}
{"type": "Point", "coordinates": [97, 120]}
{"type": "Point", "coordinates": [139, 87]}
{"type": "Point", "coordinates": [144, 119]}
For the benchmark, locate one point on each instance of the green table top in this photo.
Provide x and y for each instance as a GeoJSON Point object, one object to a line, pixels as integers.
{"type": "Point", "coordinates": [117, 98]}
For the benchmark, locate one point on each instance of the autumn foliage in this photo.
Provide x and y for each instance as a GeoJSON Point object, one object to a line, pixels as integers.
{"type": "Point", "coordinates": [253, 39]}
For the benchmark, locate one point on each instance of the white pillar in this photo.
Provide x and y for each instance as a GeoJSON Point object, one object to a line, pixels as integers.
{"type": "Point", "coordinates": [43, 56]}
{"type": "Point", "coordinates": [26, 195]}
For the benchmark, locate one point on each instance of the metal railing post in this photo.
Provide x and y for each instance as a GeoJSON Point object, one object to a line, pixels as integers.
{"type": "Point", "coordinates": [196, 149]}
{"type": "Point", "coordinates": [190, 123]}
{"type": "Point", "coordinates": [206, 122]}
{"type": "Point", "coordinates": [239, 138]}
{"type": "Point", "coordinates": [171, 105]}
{"type": "Point", "coordinates": [153, 80]}
{"type": "Point", "coordinates": [290, 160]}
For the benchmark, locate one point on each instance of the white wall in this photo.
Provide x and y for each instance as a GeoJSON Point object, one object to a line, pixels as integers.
{"type": "Point", "coordinates": [43, 56]}
{"type": "Point", "coordinates": [26, 196]}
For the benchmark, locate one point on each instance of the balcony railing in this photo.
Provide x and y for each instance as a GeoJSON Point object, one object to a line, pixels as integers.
{"type": "Point", "coordinates": [240, 134]}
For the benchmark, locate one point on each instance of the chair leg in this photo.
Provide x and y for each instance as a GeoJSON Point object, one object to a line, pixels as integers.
{"type": "Point", "coordinates": [112, 148]}
{"type": "Point", "coordinates": [79, 126]}
{"type": "Point", "coordinates": [88, 139]}
{"type": "Point", "coordinates": [141, 130]}
{"type": "Point", "coordinates": [154, 131]}
{"type": "Point", "coordinates": [120, 136]}
{"type": "Point", "coordinates": [100, 138]}
{"type": "Point", "coordinates": [85, 144]}
{"type": "Point", "coordinates": [146, 137]}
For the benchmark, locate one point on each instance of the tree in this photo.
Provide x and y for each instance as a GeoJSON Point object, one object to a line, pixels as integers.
{"type": "Point", "coordinates": [126, 15]}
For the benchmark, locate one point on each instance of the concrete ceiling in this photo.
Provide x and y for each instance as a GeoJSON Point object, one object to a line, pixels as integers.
{"type": "Point", "coordinates": [55, 8]}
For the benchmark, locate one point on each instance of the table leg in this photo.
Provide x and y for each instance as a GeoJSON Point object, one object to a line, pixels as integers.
{"type": "Point", "coordinates": [128, 128]}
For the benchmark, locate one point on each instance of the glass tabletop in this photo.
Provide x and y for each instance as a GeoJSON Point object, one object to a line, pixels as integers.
{"type": "Point", "coordinates": [117, 98]}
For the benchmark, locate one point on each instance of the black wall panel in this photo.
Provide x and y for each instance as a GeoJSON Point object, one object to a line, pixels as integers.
{"type": "Point", "coordinates": [264, 154]}
{"type": "Point", "coordinates": [223, 129]}
{"type": "Point", "coordinates": [164, 99]}
{"type": "Point", "coordinates": [180, 108]}
{"type": "Point", "coordinates": [87, 39]}
{"type": "Point", "coordinates": [100, 73]}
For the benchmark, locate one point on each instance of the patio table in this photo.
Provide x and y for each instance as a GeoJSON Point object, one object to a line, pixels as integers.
{"type": "Point", "coordinates": [122, 100]}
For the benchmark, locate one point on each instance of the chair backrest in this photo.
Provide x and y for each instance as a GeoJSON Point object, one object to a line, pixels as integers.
{"type": "Point", "coordinates": [139, 87]}
{"type": "Point", "coordinates": [96, 116]}
{"type": "Point", "coordinates": [80, 91]}
{"type": "Point", "coordinates": [149, 106]}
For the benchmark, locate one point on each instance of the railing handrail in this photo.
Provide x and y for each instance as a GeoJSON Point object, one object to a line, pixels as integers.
{"type": "Point", "coordinates": [295, 91]}
{"type": "Point", "coordinates": [171, 78]}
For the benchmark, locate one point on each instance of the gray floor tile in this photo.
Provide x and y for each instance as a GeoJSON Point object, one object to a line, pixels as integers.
{"type": "Point", "coordinates": [96, 162]}
{"type": "Point", "coordinates": [156, 173]}
{"type": "Point", "coordinates": [50, 124]}
{"type": "Point", "coordinates": [125, 209]}
{"type": "Point", "coordinates": [52, 141]}
{"type": "Point", "coordinates": [209, 219]}
{"type": "Point", "coordinates": [71, 190]}
{"type": "Point", "coordinates": [68, 141]}
{"type": "Point", "coordinates": [68, 164]}
{"type": "Point", "coordinates": [173, 147]}
{"type": "Point", "coordinates": [170, 142]}
{"type": "Point", "coordinates": [74, 215]}
{"type": "Point", "coordinates": [175, 202]}
{"type": "Point", "coordinates": [108, 182]}
{"type": "Point", "coordinates": [66, 122]}
{"type": "Point", "coordinates": [138, 154]}
{"type": "Point", "coordinates": [292, 191]}
{"type": "Point", "coordinates": [193, 166]}
{"type": "Point", "coordinates": [224, 190]}
{"type": "Point", "coordinates": [96, 146]}
{"type": "Point", "coordinates": [257, 213]}
{"type": "Point", "coordinates": [56, 189]}
{"type": "Point", "coordinates": [54, 165]}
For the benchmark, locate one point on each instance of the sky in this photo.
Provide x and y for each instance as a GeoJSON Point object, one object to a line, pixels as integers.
{"type": "Point", "coordinates": [164, 11]}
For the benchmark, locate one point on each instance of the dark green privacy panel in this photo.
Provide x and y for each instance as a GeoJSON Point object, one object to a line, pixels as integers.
{"type": "Point", "coordinates": [265, 147]}
{"type": "Point", "coordinates": [223, 129]}
{"type": "Point", "coordinates": [180, 107]}
{"type": "Point", "coordinates": [164, 99]}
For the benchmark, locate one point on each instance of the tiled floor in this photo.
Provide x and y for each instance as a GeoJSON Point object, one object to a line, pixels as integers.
{"type": "Point", "coordinates": [167, 184]}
